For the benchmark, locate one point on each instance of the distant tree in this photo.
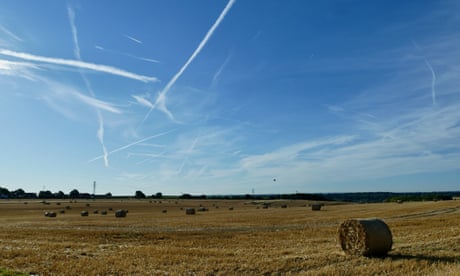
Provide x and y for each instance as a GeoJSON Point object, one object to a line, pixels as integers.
{"type": "Point", "coordinates": [45, 194]}
{"type": "Point", "coordinates": [139, 194]}
{"type": "Point", "coordinates": [4, 192]}
{"type": "Point", "coordinates": [158, 195]}
{"type": "Point", "coordinates": [108, 195]}
{"type": "Point", "coordinates": [18, 193]}
{"type": "Point", "coordinates": [185, 196]}
{"type": "Point", "coordinates": [59, 194]}
{"type": "Point", "coordinates": [74, 193]}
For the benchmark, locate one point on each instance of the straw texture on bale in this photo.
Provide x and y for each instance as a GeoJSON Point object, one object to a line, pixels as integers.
{"type": "Point", "coordinates": [365, 237]}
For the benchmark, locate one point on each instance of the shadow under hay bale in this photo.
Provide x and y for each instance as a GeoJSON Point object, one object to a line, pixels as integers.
{"type": "Point", "coordinates": [365, 237]}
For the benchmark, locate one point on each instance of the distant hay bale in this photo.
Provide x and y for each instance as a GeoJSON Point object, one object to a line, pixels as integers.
{"type": "Point", "coordinates": [202, 209]}
{"type": "Point", "coordinates": [230, 209]}
{"type": "Point", "coordinates": [316, 206]}
{"type": "Point", "coordinates": [96, 211]}
{"type": "Point", "coordinates": [84, 213]}
{"type": "Point", "coordinates": [62, 211]}
{"type": "Point", "coordinates": [190, 211]}
{"type": "Point", "coordinates": [365, 237]}
{"type": "Point", "coordinates": [284, 206]}
{"type": "Point", "coordinates": [104, 212]}
{"type": "Point", "coordinates": [68, 207]}
{"type": "Point", "coordinates": [87, 204]}
{"type": "Point", "coordinates": [164, 211]}
{"type": "Point", "coordinates": [120, 213]}
{"type": "Point", "coordinates": [50, 214]}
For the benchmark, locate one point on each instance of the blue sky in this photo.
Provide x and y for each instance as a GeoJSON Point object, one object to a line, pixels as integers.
{"type": "Point", "coordinates": [223, 97]}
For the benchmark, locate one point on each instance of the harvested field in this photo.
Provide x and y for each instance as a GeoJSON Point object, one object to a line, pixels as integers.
{"type": "Point", "coordinates": [248, 240]}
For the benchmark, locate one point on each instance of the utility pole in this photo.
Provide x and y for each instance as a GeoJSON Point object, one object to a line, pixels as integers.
{"type": "Point", "coordinates": [94, 188]}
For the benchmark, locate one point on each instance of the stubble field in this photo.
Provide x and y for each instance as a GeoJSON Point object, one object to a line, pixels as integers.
{"type": "Point", "coordinates": [231, 238]}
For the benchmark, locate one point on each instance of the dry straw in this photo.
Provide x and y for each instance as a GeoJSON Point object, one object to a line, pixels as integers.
{"type": "Point", "coordinates": [365, 237]}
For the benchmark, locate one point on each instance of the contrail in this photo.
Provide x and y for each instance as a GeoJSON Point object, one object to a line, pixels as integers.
{"type": "Point", "coordinates": [126, 54]}
{"type": "Point", "coordinates": [433, 81]}
{"type": "Point", "coordinates": [73, 27]}
{"type": "Point", "coordinates": [219, 71]}
{"type": "Point", "coordinates": [11, 34]}
{"type": "Point", "coordinates": [79, 64]}
{"type": "Point", "coordinates": [98, 104]}
{"type": "Point", "coordinates": [142, 101]}
{"type": "Point", "coordinates": [189, 151]}
{"type": "Point", "coordinates": [160, 102]}
{"type": "Point", "coordinates": [100, 131]}
{"type": "Point", "coordinates": [132, 38]}
{"type": "Point", "coordinates": [132, 144]}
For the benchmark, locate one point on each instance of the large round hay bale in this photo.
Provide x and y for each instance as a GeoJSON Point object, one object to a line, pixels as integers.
{"type": "Point", "coordinates": [365, 237]}
{"type": "Point", "coordinates": [190, 211]}
{"type": "Point", "coordinates": [120, 213]}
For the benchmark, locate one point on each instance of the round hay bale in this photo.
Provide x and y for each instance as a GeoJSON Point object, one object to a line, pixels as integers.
{"type": "Point", "coordinates": [164, 211]}
{"type": "Point", "coordinates": [62, 211]}
{"type": "Point", "coordinates": [50, 214]}
{"type": "Point", "coordinates": [316, 206]}
{"type": "Point", "coordinates": [365, 237]}
{"type": "Point", "coordinates": [120, 213]}
{"type": "Point", "coordinates": [96, 212]}
{"type": "Point", "coordinates": [284, 206]}
{"type": "Point", "coordinates": [104, 212]}
{"type": "Point", "coordinates": [190, 211]}
{"type": "Point", "coordinates": [84, 213]}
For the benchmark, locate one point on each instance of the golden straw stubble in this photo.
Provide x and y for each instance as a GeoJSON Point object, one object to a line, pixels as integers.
{"type": "Point", "coordinates": [365, 237]}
